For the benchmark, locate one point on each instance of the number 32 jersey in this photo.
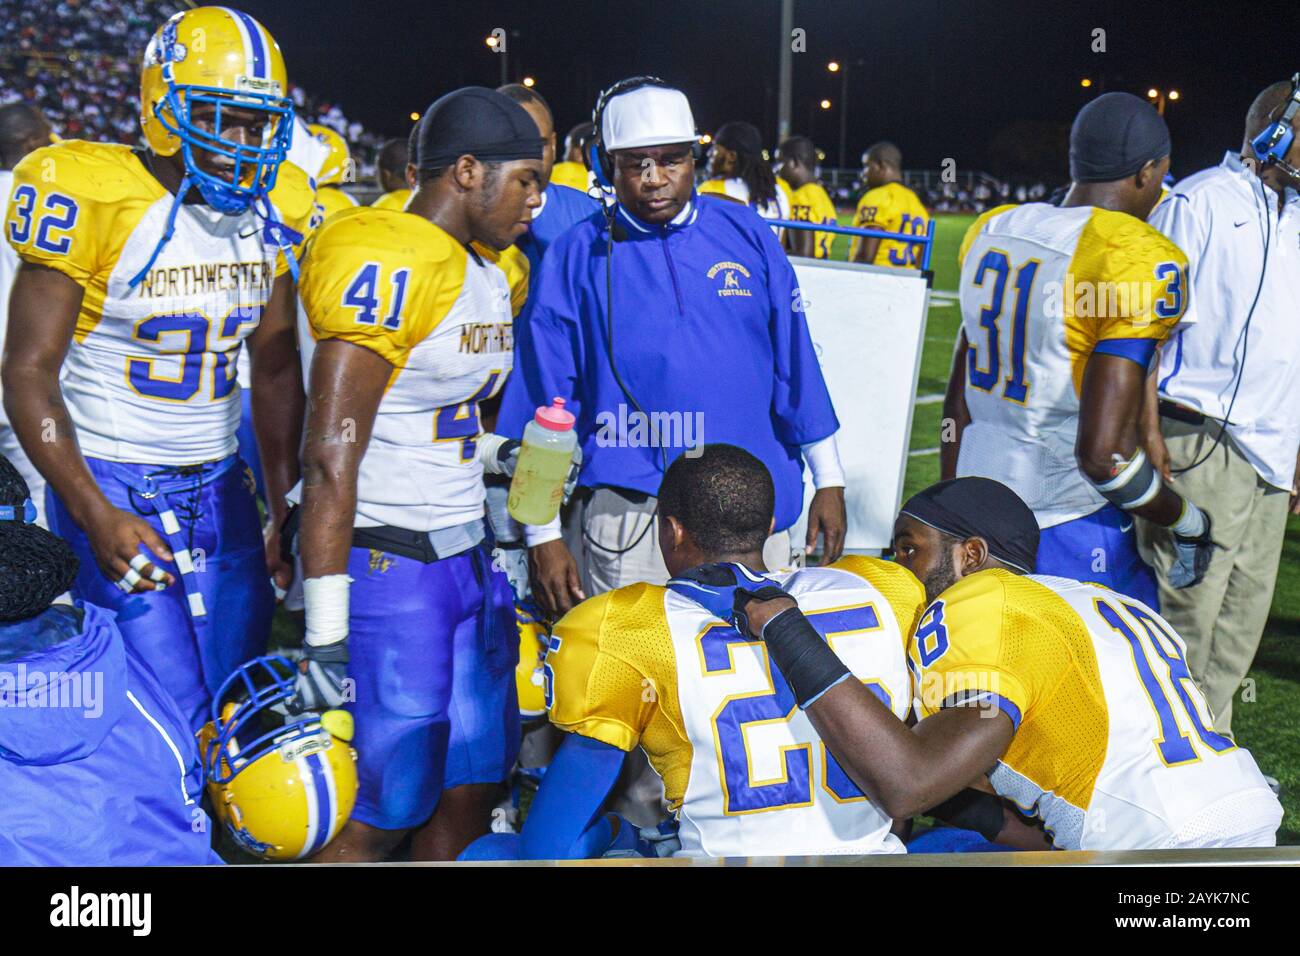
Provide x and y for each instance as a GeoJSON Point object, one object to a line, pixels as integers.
{"type": "Point", "coordinates": [1040, 288]}
{"type": "Point", "coordinates": [440, 315]}
{"type": "Point", "coordinates": [742, 766]}
{"type": "Point", "coordinates": [1114, 747]}
{"type": "Point", "coordinates": [151, 374]}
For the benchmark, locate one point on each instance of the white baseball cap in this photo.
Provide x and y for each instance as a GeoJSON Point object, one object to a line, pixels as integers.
{"type": "Point", "coordinates": [647, 116]}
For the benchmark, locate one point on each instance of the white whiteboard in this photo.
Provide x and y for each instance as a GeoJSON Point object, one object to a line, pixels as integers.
{"type": "Point", "coordinates": [868, 327]}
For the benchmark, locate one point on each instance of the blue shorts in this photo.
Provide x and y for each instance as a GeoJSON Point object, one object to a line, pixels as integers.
{"type": "Point", "coordinates": [220, 528]}
{"type": "Point", "coordinates": [433, 649]}
{"type": "Point", "coordinates": [248, 441]}
{"type": "Point", "coordinates": [1100, 547]}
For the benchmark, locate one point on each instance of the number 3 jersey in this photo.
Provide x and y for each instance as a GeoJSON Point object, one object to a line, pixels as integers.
{"type": "Point", "coordinates": [150, 375]}
{"type": "Point", "coordinates": [1114, 745]}
{"type": "Point", "coordinates": [440, 315]}
{"type": "Point", "coordinates": [741, 764]}
{"type": "Point", "coordinates": [1041, 289]}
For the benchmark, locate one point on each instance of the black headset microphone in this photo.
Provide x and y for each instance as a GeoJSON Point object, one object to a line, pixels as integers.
{"type": "Point", "coordinates": [1270, 148]}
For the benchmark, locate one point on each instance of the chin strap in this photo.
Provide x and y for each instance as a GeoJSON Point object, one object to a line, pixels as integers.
{"type": "Point", "coordinates": [179, 198]}
{"type": "Point", "coordinates": [284, 237]}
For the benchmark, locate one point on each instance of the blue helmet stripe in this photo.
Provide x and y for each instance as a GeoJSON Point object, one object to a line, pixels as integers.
{"type": "Point", "coordinates": [254, 50]}
{"type": "Point", "coordinates": [324, 805]}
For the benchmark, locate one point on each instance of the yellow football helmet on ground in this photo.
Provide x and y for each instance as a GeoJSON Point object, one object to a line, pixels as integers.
{"type": "Point", "coordinates": [530, 681]}
{"type": "Point", "coordinates": [282, 784]}
{"type": "Point", "coordinates": [337, 167]}
{"type": "Point", "coordinates": [222, 58]}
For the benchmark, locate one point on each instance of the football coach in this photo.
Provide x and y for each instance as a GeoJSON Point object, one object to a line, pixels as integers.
{"type": "Point", "coordinates": [666, 320]}
{"type": "Point", "coordinates": [1228, 429]}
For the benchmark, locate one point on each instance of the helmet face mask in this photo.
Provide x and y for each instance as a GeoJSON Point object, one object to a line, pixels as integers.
{"type": "Point", "coordinates": [206, 73]}
{"type": "Point", "coordinates": [281, 783]}
{"type": "Point", "coordinates": [252, 167]}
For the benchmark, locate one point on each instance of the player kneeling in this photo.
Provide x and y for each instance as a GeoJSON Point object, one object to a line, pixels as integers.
{"type": "Point", "coordinates": [1078, 697]}
{"type": "Point", "coordinates": [743, 769]}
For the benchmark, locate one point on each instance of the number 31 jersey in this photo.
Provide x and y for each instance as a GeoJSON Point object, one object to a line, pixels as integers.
{"type": "Point", "coordinates": [440, 315]}
{"type": "Point", "coordinates": [1114, 747]}
{"type": "Point", "coordinates": [742, 766]}
{"type": "Point", "coordinates": [1041, 286]}
{"type": "Point", "coordinates": [151, 374]}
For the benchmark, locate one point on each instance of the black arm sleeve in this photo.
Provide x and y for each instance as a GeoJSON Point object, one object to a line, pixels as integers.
{"type": "Point", "coordinates": [972, 810]}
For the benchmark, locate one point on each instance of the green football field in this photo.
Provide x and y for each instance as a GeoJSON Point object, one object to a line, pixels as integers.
{"type": "Point", "coordinates": [1270, 725]}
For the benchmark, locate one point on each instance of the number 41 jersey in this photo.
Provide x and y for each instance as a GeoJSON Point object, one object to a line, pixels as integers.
{"type": "Point", "coordinates": [742, 766]}
{"type": "Point", "coordinates": [1041, 288]}
{"type": "Point", "coordinates": [440, 315]}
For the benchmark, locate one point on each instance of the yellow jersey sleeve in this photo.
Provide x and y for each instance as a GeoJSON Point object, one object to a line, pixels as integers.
{"type": "Point", "coordinates": [573, 175]}
{"type": "Point", "coordinates": [606, 665]}
{"type": "Point", "coordinates": [295, 202]}
{"type": "Point", "coordinates": [397, 199]}
{"type": "Point", "coordinates": [380, 279]}
{"type": "Point", "coordinates": [1130, 281]}
{"type": "Point", "coordinates": [717, 187]}
{"type": "Point", "coordinates": [74, 204]}
{"type": "Point", "coordinates": [331, 199]}
{"type": "Point", "coordinates": [969, 646]}
{"type": "Point", "coordinates": [975, 228]}
{"type": "Point", "coordinates": [514, 264]}
{"type": "Point", "coordinates": [905, 594]}
{"type": "Point", "coordinates": [878, 209]}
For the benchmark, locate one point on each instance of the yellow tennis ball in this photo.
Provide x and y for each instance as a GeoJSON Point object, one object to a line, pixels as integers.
{"type": "Point", "coordinates": [338, 723]}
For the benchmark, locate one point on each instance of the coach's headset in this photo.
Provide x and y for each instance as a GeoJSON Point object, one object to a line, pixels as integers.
{"type": "Point", "coordinates": [602, 167]}
{"type": "Point", "coordinates": [1270, 148]}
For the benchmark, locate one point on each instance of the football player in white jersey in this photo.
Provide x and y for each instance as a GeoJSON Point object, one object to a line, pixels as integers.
{"type": "Point", "coordinates": [22, 130]}
{"type": "Point", "coordinates": [412, 329]}
{"type": "Point", "coordinates": [144, 273]}
{"type": "Point", "coordinates": [1062, 310]}
{"type": "Point", "coordinates": [1078, 697]}
{"type": "Point", "coordinates": [662, 668]}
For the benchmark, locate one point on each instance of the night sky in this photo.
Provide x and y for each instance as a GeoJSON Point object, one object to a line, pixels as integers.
{"type": "Point", "coordinates": [992, 85]}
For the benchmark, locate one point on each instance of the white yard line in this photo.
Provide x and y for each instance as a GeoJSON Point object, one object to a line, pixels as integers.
{"type": "Point", "coordinates": [919, 452]}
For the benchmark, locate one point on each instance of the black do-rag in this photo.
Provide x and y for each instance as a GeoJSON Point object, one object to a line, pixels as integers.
{"type": "Point", "coordinates": [1114, 136]}
{"type": "Point", "coordinates": [35, 565]}
{"type": "Point", "coordinates": [740, 137]}
{"type": "Point", "coordinates": [486, 124]}
{"type": "Point", "coordinates": [981, 508]}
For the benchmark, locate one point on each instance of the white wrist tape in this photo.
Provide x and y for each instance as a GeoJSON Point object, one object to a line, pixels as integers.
{"type": "Point", "coordinates": [326, 599]}
{"type": "Point", "coordinates": [535, 534]}
{"type": "Point", "coordinates": [823, 458]}
{"type": "Point", "coordinates": [486, 447]}
{"type": "Point", "coordinates": [1191, 523]}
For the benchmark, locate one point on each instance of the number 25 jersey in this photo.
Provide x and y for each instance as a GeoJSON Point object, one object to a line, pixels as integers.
{"type": "Point", "coordinates": [150, 375]}
{"type": "Point", "coordinates": [1041, 286]}
{"type": "Point", "coordinates": [742, 766]}
{"type": "Point", "coordinates": [440, 315]}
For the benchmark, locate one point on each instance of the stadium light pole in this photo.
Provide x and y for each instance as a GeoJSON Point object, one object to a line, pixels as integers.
{"type": "Point", "coordinates": [783, 96]}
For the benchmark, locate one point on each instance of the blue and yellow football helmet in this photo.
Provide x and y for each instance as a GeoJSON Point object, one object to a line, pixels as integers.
{"type": "Point", "coordinates": [337, 167]}
{"type": "Point", "coordinates": [220, 57]}
{"type": "Point", "coordinates": [283, 785]}
{"type": "Point", "coordinates": [529, 676]}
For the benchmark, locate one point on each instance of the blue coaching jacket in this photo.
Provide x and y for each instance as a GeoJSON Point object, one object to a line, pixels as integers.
{"type": "Point", "coordinates": [561, 208]}
{"type": "Point", "coordinates": [708, 334]}
{"type": "Point", "coordinates": [97, 765]}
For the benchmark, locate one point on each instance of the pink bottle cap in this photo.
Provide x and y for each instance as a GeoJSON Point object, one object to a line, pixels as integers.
{"type": "Point", "coordinates": [554, 416]}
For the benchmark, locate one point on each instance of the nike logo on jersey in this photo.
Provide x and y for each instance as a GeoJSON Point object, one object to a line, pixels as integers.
{"type": "Point", "coordinates": [1125, 528]}
{"type": "Point", "coordinates": [248, 232]}
{"type": "Point", "coordinates": [1242, 223]}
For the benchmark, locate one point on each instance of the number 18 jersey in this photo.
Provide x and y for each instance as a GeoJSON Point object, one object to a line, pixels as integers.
{"type": "Point", "coordinates": [1041, 286]}
{"type": "Point", "coordinates": [1114, 747]}
{"type": "Point", "coordinates": [742, 766]}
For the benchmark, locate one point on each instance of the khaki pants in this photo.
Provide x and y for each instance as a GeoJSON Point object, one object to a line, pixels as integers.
{"type": "Point", "coordinates": [615, 541]}
{"type": "Point", "coordinates": [1222, 618]}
